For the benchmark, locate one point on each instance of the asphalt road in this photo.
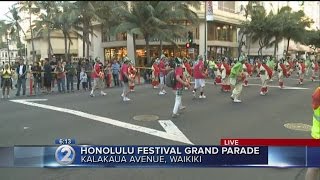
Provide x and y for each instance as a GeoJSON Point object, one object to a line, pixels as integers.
{"type": "Point", "coordinates": [204, 122]}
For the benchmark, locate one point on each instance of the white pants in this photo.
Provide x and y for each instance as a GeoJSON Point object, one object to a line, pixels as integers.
{"type": "Point", "coordinates": [264, 80]}
{"type": "Point", "coordinates": [125, 88]}
{"type": "Point", "coordinates": [237, 87]}
{"type": "Point", "coordinates": [199, 83]}
{"type": "Point", "coordinates": [177, 103]}
{"type": "Point", "coordinates": [280, 76]}
{"type": "Point", "coordinates": [162, 80]}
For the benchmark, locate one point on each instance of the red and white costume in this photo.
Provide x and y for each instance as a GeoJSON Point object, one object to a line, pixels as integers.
{"type": "Point", "coordinates": [225, 72]}
{"type": "Point", "coordinates": [109, 75]}
{"type": "Point", "coordinates": [247, 70]}
{"type": "Point", "coordinates": [265, 76]}
{"type": "Point", "coordinates": [301, 70]}
{"type": "Point", "coordinates": [290, 67]}
{"type": "Point", "coordinates": [132, 75]}
{"type": "Point", "coordinates": [315, 69]}
{"type": "Point", "coordinates": [187, 72]}
{"type": "Point", "coordinates": [282, 72]}
{"type": "Point", "coordinates": [257, 68]}
{"type": "Point", "coordinates": [155, 75]}
{"type": "Point", "coordinates": [217, 73]}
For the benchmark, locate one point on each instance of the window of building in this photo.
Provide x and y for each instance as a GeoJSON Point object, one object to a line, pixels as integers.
{"type": "Point", "coordinates": [228, 6]}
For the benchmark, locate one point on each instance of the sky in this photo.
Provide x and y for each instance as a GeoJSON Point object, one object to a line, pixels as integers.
{"type": "Point", "coordinates": [4, 8]}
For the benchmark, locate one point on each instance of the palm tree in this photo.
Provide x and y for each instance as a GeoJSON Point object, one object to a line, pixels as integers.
{"type": "Point", "coordinates": [45, 25]}
{"type": "Point", "coordinates": [153, 18]}
{"type": "Point", "coordinates": [66, 21]}
{"type": "Point", "coordinates": [87, 16]}
{"type": "Point", "coordinates": [14, 22]}
{"type": "Point", "coordinates": [6, 30]}
{"type": "Point", "coordinates": [29, 7]}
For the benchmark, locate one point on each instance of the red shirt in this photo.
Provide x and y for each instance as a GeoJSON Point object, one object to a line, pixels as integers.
{"type": "Point", "coordinates": [124, 69]}
{"type": "Point", "coordinates": [162, 67]}
{"type": "Point", "coordinates": [227, 67]}
{"type": "Point", "coordinates": [197, 71]}
{"type": "Point", "coordinates": [178, 72]}
{"type": "Point", "coordinates": [156, 69]}
{"type": "Point", "coordinates": [188, 68]}
{"type": "Point", "coordinates": [97, 70]}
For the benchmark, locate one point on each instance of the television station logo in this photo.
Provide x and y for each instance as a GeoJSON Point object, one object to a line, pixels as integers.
{"type": "Point", "coordinates": [65, 155]}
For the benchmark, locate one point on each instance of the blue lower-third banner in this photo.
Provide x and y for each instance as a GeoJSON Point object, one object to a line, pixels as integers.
{"type": "Point", "coordinates": [158, 156]}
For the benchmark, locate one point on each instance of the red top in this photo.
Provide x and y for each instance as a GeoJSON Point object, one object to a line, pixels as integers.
{"type": "Point", "coordinates": [132, 70]}
{"type": "Point", "coordinates": [316, 66]}
{"type": "Point", "coordinates": [197, 71]}
{"type": "Point", "coordinates": [188, 68]}
{"type": "Point", "coordinates": [269, 71]}
{"type": "Point", "coordinates": [303, 67]}
{"type": "Point", "coordinates": [162, 67]}
{"type": "Point", "coordinates": [124, 69]}
{"type": "Point", "coordinates": [95, 74]}
{"type": "Point", "coordinates": [291, 64]}
{"type": "Point", "coordinates": [249, 68]}
{"type": "Point", "coordinates": [284, 69]}
{"type": "Point", "coordinates": [178, 72]}
{"type": "Point", "coordinates": [316, 99]}
{"type": "Point", "coordinates": [219, 66]}
{"type": "Point", "coordinates": [156, 69]}
{"type": "Point", "coordinates": [228, 68]}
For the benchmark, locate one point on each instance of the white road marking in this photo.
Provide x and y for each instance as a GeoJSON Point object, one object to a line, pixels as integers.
{"type": "Point", "coordinates": [171, 130]}
{"type": "Point", "coordinates": [285, 87]}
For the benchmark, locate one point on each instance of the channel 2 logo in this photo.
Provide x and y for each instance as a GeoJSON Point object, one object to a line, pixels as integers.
{"type": "Point", "coordinates": [65, 155]}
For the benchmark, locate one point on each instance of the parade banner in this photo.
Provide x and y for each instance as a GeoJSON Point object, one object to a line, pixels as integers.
{"type": "Point", "coordinates": [86, 156]}
{"type": "Point", "coordinates": [209, 11]}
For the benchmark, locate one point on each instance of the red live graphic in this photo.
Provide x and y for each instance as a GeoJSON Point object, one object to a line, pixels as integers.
{"type": "Point", "coordinates": [270, 142]}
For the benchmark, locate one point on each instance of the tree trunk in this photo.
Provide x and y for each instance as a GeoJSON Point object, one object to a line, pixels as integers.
{"type": "Point", "coordinates": [69, 47]}
{"type": "Point", "coordinates": [287, 53]}
{"type": "Point", "coordinates": [88, 46]}
{"type": "Point", "coordinates": [49, 44]}
{"type": "Point", "coordinates": [65, 46]}
{"type": "Point", "coordinates": [8, 49]}
{"type": "Point", "coordinates": [33, 53]}
{"type": "Point", "coordinates": [240, 45]}
{"type": "Point", "coordinates": [134, 48]}
{"type": "Point", "coordinates": [275, 49]}
{"type": "Point", "coordinates": [249, 45]}
{"type": "Point", "coordinates": [83, 44]}
{"type": "Point", "coordinates": [19, 43]}
{"type": "Point", "coordinates": [147, 48]}
{"type": "Point", "coordinates": [160, 48]}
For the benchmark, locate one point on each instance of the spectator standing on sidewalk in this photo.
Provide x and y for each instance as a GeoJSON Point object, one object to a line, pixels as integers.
{"type": "Point", "coordinates": [115, 72]}
{"type": "Point", "coordinates": [1, 69]}
{"type": "Point", "coordinates": [6, 74]}
{"type": "Point", "coordinates": [88, 69]}
{"type": "Point", "coordinates": [84, 79]}
{"type": "Point", "coordinates": [61, 76]}
{"type": "Point", "coordinates": [97, 78]}
{"type": "Point", "coordinates": [78, 68]}
{"type": "Point", "coordinates": [71, 72]}
{"type": "Point", "coordinates": [22, 77]}
{"type": "Point", "coordinates": [47, 77]}
{"type": "Point", "coordinates": [36, 72]}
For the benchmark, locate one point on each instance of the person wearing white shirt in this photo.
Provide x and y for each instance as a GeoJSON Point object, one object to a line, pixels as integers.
{"type": "Point", "coordinates": [22, 76]}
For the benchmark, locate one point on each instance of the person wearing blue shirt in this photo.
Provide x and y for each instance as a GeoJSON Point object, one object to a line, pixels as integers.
{"type": "Point", "coordinates": [115, 67]}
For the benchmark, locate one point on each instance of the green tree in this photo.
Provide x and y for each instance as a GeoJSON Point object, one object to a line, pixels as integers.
{"type": "Point", "coordinates": [67, 22]}
{"type": "Point", "coordinates": [150, 19]}
{"type": "Point", "coordinates": [295, 25]}
{"type": "Point", "coordinates": [312, 38]}
{"type": "Point", "coordinates": [7, 31]}
{"type": "Point", "coordinates": [87, 15]}
{"type": "Point", "coordinates": [31, 8]}
{"type": "Point", "coordinates": [14, 23]}
{"type": "Point", "coordinates": [45, 25]}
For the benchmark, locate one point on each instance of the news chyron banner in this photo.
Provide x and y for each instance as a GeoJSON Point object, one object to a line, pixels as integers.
{"type": "Point", "coordinates": [230, 153]}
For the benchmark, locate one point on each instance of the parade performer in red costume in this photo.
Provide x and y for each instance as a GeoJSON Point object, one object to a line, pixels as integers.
{"type": "Point", "coordinates": [282, 72]}
{"type": "Point", "coordinates": [265, 76]}
{"type": "Point", "coordinates": [301, 71]}
{"type": "Point", "coordinates": [217, 72]}
{"type": "Point", "coordinates": [132, 75]}
{"type": "Point", "coordinates": [155, 74]}
{"type": "Point", "coordinates": [226, 69]}
{"type": "Point", "coordinates": [247, 68]}
{"type": "Point", "coordinates": [315, 69]}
